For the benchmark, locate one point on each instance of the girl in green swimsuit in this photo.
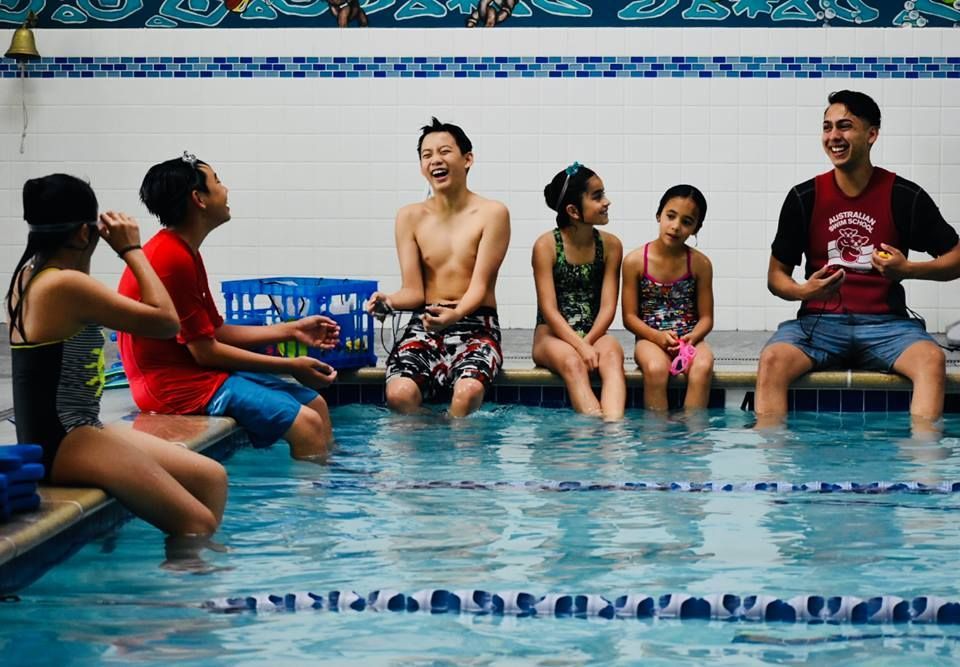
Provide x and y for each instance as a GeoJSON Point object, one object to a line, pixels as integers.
{"type": "Point", "coordinates": [576, 268]}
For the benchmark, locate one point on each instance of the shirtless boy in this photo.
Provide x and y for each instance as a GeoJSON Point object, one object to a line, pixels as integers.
{"type": "Point", "coordinates": [450, 249]}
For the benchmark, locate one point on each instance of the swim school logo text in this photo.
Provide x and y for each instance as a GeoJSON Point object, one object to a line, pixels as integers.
{"type": "Point", "coordinates": [856, 218]}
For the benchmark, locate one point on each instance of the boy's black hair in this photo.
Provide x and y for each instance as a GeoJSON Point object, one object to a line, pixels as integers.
{"type": "Point", "coordinates": [463, 141]}
{"type": "Point", "coordinates": [167, 187]}
{"type": "Point", "coordinates": [859, 104]}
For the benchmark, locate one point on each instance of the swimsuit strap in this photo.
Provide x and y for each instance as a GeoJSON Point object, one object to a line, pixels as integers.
{"type": "Point", "coordinates": [598, 247]}
{"type": "Point", "coordinates": [645, 247]}
{"type": "Point", "coordinates": [25, 342]}
{"type": "Point", "coordinates": [558, 239]}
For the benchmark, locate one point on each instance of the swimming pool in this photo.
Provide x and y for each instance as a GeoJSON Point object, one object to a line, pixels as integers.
{"type": "Point", "coordinates": [363, 524]}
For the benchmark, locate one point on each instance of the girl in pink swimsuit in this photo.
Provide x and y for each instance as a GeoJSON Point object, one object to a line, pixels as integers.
{"type": "Point", "coordinates": [668, 298]}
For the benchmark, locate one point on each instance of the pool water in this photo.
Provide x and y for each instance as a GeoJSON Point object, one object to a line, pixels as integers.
{"type": "Point", "coordinates": [358, 524]}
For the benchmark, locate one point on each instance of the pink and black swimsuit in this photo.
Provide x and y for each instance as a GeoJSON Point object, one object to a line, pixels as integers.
{"type": "Point", "coordinates": [669, 306]}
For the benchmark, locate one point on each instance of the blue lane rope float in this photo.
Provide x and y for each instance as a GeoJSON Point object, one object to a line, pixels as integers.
{"type": "Point", "coordinates": [879, 487]}
{"type": "Point", "coordinates": [925, 609]}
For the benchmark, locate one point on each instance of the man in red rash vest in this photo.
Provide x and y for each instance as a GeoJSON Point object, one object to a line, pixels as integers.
{"type": "Point", "coordinates": [856, 225]}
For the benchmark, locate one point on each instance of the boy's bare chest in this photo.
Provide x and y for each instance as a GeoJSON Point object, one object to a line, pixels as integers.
{"type": "Point", "coordinates": [444, 241]}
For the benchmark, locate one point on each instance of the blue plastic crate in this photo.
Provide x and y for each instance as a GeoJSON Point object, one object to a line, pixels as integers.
{"type": "Point", "coordinates": [260, 301]}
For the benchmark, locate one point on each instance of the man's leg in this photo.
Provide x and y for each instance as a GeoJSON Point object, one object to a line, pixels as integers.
{"type": "Point", "coordinates": [902, 345]}
{"type": "Point", "coordinates": [780, 365]}
{"type": "Point", "coordinates": [925, 364]}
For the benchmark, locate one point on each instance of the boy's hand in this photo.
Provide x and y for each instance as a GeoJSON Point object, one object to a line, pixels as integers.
{"type": "Point", "coordinates": [316, 331]}
{"type": "Point", "coordinates": [438, 318]}
{"type": "Point", "coordinates": [313, 373]}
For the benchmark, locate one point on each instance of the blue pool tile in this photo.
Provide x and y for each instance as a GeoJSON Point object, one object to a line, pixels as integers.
{"type": "Point", "coordinates": [828, 400]}
{"type": "Point", "coordinates": [331, 395]}
{"type": "Point", "coordinates": [898, 401]}
{"type": "Point", "coordinates": [718, 398]}
{"type": "Point", "coordinates": [509, 395]}
{"type": "Point", "coordinates": [875, 401]}
{"type": "Point", "coordinates": [372, 394]}
{"type": "Point", "coordinates": [554, 397]}
{"type": "Point", "coordinates": [805, 400]}
{"type": "Point", "coordinates": [675, 398]}
{"type": "Point", "coordinates": [530, 395]}
{"type": "Point", "coordinates": [851, 400]}
{"type": "Point", "coordinates": [349, 393]}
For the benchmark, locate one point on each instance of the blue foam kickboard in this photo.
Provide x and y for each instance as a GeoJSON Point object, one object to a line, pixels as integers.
{"type": "Point", "coordinates": [26, 453]}
{"type": "Point", "coordinates": [20, 504]}
{"type": "Point", "coordinates": [14, 491]}
{"type": "Point", "coordinates": [28, 472]}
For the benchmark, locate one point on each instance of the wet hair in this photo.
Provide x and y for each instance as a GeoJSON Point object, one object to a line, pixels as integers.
{"type": "Point", "coordinates": [167, 187]}
{"type": "Point", "coordinates": [685, 191]}
{"type": "Point", "coordinates": [859, 104]}
{"type": "Point", "coordinates": [459, 136]}
{"type": "Point", "coordinates": [558, 199]}
{"type": "Point", "coordinates": [62, 204]}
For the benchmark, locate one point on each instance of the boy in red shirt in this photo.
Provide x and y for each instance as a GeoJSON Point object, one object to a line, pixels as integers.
{"type": "Point", "coordinates": [210, 368]}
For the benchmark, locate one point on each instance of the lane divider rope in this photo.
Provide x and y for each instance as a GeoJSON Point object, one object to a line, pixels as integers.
{"type": "Point", "coordinates": [924, 609]}
{"type": "Point", "coordinates": [879, 487]}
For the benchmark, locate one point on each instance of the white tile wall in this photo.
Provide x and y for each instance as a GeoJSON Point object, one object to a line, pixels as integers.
{"type": "Point", "coordinates": [317, 168]}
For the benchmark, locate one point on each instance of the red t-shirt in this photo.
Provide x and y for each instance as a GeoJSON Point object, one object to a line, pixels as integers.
{"type": "Point", "coordinates": [845, 231]}
{"type": "Point", "coordinates": [163, 375]}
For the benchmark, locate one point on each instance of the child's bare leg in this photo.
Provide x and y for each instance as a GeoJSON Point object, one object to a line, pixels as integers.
{"type": "Point", "coordinates": [613, 393]}
{"type": "Point", "coordinates": [560, 357]}
{"type": "Point", "coordinates": [699, 378]}
{"type": "Point", "coordinates": [138, 477]}
{"type": "Point", "coordinates": [655, 365]}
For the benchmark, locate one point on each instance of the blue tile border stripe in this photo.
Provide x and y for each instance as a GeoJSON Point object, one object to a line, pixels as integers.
{"type": "Point", "coordinates": [703, 67]}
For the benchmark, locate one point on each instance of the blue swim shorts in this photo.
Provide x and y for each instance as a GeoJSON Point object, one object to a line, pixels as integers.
{"type": "Point", "coordinates": [868, 342]}
{"type": "Point", "coordinates": [265, 405]}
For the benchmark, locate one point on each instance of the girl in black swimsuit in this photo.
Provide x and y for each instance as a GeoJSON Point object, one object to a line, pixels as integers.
{"type": "Point", "coordinates": [55, 312]}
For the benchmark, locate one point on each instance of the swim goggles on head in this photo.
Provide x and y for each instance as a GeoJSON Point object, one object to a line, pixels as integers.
{"type": "Point", "coordinates": [58, 227]}
{"type": "Point", "coordinates": [570, 171]}
{"type": "Point", "coordinates": [684, 358]}
{"type": "Point", "coordinates": [189, 158]}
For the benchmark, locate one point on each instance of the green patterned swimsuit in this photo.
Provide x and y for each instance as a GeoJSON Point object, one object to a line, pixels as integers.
{"type": "Point", "coordinates": [578, 286]}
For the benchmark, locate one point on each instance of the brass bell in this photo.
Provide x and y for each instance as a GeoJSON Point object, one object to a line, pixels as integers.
{"type": "Point", "coordinates": [23, 46]}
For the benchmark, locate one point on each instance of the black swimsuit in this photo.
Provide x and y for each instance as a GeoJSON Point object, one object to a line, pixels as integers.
{"type": "Point", "coordinates": [56, 388]}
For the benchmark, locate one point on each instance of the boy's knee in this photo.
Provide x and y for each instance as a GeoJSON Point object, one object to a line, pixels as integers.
{"type": "Point", "coordinates": [403, 394]}
{"type": "Point", "coordinates": [468, 390]}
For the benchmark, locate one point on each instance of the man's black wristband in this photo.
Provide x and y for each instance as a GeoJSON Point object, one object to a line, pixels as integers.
{"type": "Point", "coordinates": [123, 251]}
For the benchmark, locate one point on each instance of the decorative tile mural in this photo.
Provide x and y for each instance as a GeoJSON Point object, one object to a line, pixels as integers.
{"type": "Point", "coordinates": [481, 13]}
